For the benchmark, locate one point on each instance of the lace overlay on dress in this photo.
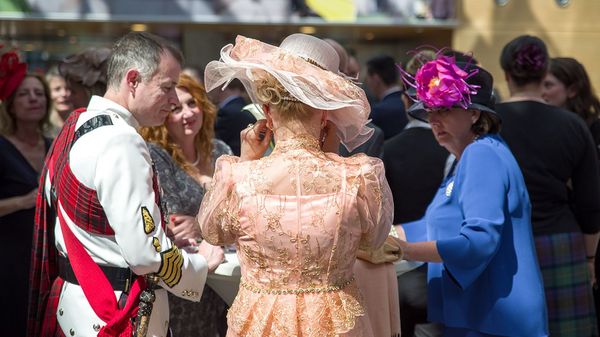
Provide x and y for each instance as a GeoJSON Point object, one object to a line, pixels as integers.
{"type": "Point", "coordinates": [297, 218]}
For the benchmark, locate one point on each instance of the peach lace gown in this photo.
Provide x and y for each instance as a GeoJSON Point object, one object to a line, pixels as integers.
{"type": "Point", "coordinates": [297, 218]}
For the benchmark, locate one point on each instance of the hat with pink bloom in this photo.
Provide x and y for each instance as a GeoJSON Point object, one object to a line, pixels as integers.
{"type": "Point", "coordinates": [443, 84]}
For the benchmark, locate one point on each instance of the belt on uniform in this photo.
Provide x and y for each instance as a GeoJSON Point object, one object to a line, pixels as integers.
{"type": "Point", "coordinates": [120, 279]}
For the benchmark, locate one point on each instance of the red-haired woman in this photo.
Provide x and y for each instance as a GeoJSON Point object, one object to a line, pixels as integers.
{"type": "Point", "coordinates": [184, 152]}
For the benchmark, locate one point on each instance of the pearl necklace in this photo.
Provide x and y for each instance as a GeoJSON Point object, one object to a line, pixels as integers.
{"type": "Point", "coordinates": [197, 161]}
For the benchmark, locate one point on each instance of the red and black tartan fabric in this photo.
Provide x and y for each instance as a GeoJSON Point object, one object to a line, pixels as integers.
{"type": "Point", "coordinates": [81, 204]}
{"type": "Point", "coordinates": [43, 257]}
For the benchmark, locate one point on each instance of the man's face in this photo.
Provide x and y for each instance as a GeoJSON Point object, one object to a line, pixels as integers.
{"type": "Point", "coordinates": [155, 97]}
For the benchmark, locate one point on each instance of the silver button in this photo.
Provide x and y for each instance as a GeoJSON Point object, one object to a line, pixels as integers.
{"type": "Point", "coordinates": [96, 327]}
{"type": "Point", "coordinates": [72, 332]}
{"type": "Point", "coordinates": [60, 312]}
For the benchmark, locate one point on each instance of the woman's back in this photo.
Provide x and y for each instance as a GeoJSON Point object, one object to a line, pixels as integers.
{"type": "Point", "coordinates": [298, 217]}
{"type": "Point", "coordinates": [553, 147]}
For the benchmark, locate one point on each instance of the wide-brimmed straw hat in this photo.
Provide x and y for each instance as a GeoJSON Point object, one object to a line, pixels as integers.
{"type": "Point", "coordinates": [443, 83]}
{"type": "Point", "coordinates": [307, 67]}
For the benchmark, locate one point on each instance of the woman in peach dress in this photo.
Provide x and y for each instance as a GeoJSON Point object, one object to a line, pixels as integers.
{"type": "Point", "coordinates": [299, 215]}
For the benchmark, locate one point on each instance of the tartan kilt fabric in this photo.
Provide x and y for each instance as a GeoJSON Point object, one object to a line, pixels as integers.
{"type": "Point", "coordinates": [81, 203]}
{"type": "Point", "coordinates": [569, 296]}
{"type": "Point", "coordinates": [43, 256]}
{"type": "Point", "coordinates": [50, 327]}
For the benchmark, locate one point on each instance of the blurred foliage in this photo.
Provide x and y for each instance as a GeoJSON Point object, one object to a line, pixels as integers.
{"type": "Point", "coordinates": [14, 6]}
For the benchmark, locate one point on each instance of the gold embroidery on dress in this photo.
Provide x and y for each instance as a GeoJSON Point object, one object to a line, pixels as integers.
{"type": "Point", "coordinates": [296, 227]}
{"type": "Point", "coordinates": [312, 290]}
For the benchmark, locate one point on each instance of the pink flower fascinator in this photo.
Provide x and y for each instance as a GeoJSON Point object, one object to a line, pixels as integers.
{"type": "Point", "coordinates": [444, 83]}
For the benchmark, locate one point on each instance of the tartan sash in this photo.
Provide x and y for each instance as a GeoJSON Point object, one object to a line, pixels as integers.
{"type": "Point", "coordinates": [44, 268]}
{"type": "Point", "coordinates": [81, 204]}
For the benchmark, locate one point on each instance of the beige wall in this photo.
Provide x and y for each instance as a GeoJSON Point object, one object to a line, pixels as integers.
{"type": "Point", "coordinates": [572, 31]}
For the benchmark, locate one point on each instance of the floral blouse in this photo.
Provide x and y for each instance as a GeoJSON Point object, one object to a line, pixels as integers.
{"type": "Point", "coordinates": [181, 193]}
{"type": "Point", "coordinates": [297, 218]}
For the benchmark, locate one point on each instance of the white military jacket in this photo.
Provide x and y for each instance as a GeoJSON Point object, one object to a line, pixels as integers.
{"type": "Point", "coordinates": [114, 161]}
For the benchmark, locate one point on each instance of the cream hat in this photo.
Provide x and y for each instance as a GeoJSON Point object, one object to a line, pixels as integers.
{"type": "Point", "coordinates": [307, 67]}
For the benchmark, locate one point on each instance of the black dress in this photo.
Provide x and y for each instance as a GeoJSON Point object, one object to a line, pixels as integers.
{"type": "Point", "coordinates": [17, 177]}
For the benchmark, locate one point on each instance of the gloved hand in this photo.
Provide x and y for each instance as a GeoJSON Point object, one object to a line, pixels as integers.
{"type": "Point", "coordinates": [388, 252]}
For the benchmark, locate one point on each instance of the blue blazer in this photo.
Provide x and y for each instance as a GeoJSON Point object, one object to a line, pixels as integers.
{"type": "Point", "coordinates": [389, 114]}
{"type": "Point", "coordinates": [489, 280]}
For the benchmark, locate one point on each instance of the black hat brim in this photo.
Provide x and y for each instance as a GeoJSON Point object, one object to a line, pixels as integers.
{"type": "Point", "coordinates": [419, 111]}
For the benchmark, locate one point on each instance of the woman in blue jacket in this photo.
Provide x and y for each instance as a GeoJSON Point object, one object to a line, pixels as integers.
{"type": "Point", "coordinates": [484, 278]}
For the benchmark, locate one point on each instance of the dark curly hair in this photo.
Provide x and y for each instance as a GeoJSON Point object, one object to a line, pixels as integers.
{"type": "Point", "coordinates": [573, 76]}
{"type": "Point", "coordinates": [525, 59]}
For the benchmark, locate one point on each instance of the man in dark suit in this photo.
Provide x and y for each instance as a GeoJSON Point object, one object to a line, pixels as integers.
{"type": "Point", "coordinates": [382, 81]}
{"type": "Point", "coordinates": [231, 119]}
{"type": "Point", "coordinates": [415, 165]}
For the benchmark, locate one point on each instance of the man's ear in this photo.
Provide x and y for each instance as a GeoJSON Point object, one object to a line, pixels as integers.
{"type": "Point", "coordinates": [133, 78]}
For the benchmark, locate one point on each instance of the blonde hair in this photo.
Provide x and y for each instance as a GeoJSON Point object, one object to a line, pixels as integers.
{"type": "Point", "coordinates": [7, 118]}
{"type": "Point", "coordinates": [269, 91]}
{"type": "Point", "coordinates": [202, 141]}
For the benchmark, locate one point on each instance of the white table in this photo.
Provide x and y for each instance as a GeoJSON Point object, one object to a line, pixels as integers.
{"type": "Point", "coordinates": [225, 280]}
{"type": "Point", "coordinates": [403, 266]}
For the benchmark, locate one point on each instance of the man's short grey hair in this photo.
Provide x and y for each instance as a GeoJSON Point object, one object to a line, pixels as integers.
{"type": "Point", "coordinates": [139, 50]}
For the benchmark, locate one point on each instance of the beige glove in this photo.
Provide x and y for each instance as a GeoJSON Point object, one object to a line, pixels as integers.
{"type": "Point", "coordinates": [388, 252]}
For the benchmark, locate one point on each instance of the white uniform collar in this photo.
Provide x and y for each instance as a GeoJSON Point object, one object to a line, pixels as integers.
{"type": "Point", "coordinates": [99, 103]}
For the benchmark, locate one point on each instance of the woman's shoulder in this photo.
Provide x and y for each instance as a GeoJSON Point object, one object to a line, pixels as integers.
{"type": "Point", "coordinates": [488, 155]}
{"type": "Point", "coordinates": [157, 150]}
{"type": "Point", "coordinates": [362, 165]}
{"type": "Point", "coordinates": [226, 161]}
{"type": "Point", "coordinates": [485, 148]}
{"type": "Point", "coordinates": [160, 156]}
{"type": "Point", "coordinates": [359, 159]}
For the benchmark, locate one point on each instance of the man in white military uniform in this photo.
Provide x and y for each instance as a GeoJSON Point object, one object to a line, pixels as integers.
{"type": "Point", "coordinates": [109, 231]}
